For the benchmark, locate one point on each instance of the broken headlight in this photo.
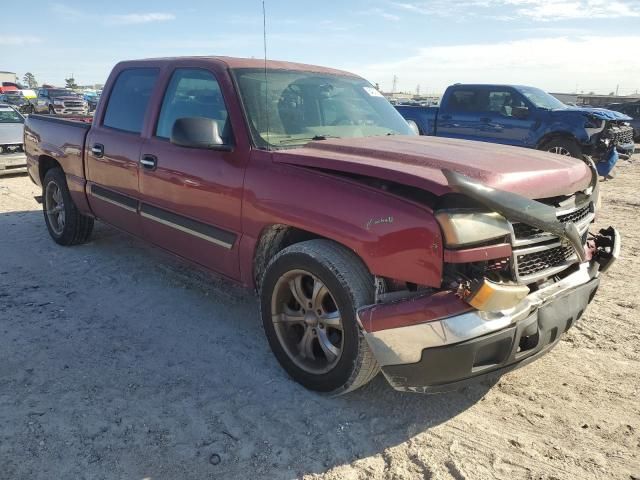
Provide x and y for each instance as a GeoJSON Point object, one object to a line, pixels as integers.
{"type": "Point", "coordinates": [462, 229]}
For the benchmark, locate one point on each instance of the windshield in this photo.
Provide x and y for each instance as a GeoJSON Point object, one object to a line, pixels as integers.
{"type": "Point", "coordinates": [10, 116]}
{"type": "Point", "coordinates": [542, 99]}
{"type": "Point", "coordinates": [60, 93]}
{"type": "Point", "coordinates": [303, 106]}
{"type": "Point", "coordinates": [13, 98]}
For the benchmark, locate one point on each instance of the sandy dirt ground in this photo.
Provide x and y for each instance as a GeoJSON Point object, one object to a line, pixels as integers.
{"type": "Point", "coordinates": [117, 361]}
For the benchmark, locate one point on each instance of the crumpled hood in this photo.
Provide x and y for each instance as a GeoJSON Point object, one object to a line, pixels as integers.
{"type": "Point", "coordinates": [601, 113]}
{"type": "Point", "coordinates": [11, 133]}
{"type": "Point", "coordinates": [418, 161]}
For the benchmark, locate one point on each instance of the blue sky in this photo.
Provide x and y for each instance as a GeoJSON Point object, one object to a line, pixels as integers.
{"type": "Point", "coordinates": [559, 45]}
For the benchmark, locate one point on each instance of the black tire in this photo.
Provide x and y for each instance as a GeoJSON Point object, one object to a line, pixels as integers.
{"type": "Point", "coordinates": [351, 286]}
{"type": "Point", "coordinates": [563, 146]}
{"type": "Point", "coordinates": [75, 228]}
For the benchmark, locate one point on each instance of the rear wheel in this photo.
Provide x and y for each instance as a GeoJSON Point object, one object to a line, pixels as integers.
{"type": "Point", "coordinates": [66, 225]}
{"type": "Point", "coordinates": [51, 110]}
{"type": "Point", "coordinates": [309, 296]}
{"type": "Point", "coordinates": [563, 146]}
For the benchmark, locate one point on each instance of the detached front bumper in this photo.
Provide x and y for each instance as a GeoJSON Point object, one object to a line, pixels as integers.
{"type": "Point", "coordinates": [443, 352]}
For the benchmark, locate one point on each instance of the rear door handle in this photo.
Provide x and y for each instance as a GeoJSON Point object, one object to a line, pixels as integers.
{"type": "Point", "coordinates": [150, 162]}
{"type": "Point", "coordinates": [98, 150]}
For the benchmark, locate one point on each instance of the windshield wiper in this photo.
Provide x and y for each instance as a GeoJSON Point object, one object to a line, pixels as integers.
{"type": "Point", "coordinates": [307, 139]}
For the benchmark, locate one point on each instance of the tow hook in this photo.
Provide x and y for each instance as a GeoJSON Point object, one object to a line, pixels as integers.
{"type": "Point", "coordinates": [607, 248]}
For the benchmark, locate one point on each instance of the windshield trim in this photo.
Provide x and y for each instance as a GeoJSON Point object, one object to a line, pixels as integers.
{"type": "Point", "coordinates": [523, 90]}
{"type": "Point", "coordinates": [254, 136]}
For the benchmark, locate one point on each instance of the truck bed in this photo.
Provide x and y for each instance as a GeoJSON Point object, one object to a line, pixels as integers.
{"type": "Point", "coordinates": [425, 117]}
{"type": "Point", "coordinates": [61, 138]}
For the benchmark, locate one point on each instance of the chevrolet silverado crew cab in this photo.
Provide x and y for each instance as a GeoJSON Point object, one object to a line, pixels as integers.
{"type": "Point", "coordinates": [435, 260]}
{"type": "Point", "coordinates": [526, 117]}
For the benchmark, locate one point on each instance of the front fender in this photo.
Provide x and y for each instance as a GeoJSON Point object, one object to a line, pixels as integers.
{"type": "Point", "coordinates": [569, 124]}
{"type": "Point", "coordinates": [394, 237]}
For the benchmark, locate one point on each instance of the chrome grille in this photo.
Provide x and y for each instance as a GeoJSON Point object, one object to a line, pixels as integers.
{"type": "Point", "coordinates": [622, 135]}
{"type": "Point", "coordinates": [535, 262]}
{"type": "Point", "coordinates": [11, 148]}
{"type": "Point", "coordinates": [525, 232]}
{"type": "Point", "coordinates": [73, 104]}
{"type": "Point", "coordinates": [538, 254]}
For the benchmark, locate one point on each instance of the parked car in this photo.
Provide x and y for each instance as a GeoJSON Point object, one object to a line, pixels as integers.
{"type": "Point", "coordinates": [59, 101]}
{"type": "Point", "coordinates": [8, 87]}
{"type": "Point", "coordinates": [18, 101]}
{"type": "Point", "coordinates": [29, 94]}
{"type": "Point", "coordinates": [526, 117]}
{"type": "Point", "coordinates": [12, 157]}
{"type": "Point", "coordinates": [631, 109]}
{"type": "Point", "coordinates": [92, 100]}
{"type": "Point", "coordinates": [369, 246]}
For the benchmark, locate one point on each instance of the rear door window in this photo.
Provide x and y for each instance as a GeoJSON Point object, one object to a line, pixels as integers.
{"type": "Point", "coordinates": [129, 99]}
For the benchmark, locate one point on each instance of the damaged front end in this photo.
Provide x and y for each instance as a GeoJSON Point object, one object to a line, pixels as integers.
{"type": "Point", "coordinates": [608, 139]}
{"type": "Point", "coordinates": [518, 273]}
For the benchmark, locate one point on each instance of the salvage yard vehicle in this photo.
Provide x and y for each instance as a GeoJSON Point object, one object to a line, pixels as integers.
{"type": "Point", "coordinates": [59, 101]}
{"type": "Point", "coordinates": [526, 117]}
{"type": "Point", "coordinates": [12, 157]}
{"type": "Point", "coordinates": [436, 260]}
{"type": "Point", "coordinates": [632, 109]}
{"type": "Point", "coordinates": [18, 101]}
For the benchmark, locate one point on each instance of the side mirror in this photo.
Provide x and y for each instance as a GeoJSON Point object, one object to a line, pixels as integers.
{"type": "Point", "coordinates": [197, 132]}
{"type": "Point", "coordinates": [414, 127]}
{"type": "Point", "coordinates": [520, 112]}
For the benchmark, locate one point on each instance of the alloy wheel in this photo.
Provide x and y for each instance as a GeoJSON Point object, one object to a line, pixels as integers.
{"type": "Point", "coordinates": [54, 203]}
{"type": "Point", "coordinates": [307, 321]}
{"type": "Point", "coordinates": [560, 151]}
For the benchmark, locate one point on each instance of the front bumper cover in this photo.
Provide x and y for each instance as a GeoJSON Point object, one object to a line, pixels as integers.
{"type": "Point", "coordinates": [447, 368]}
{"type": "Point", "coordinates": [439, 354]}
{"type": "Point", "coordinates": [13, 163]}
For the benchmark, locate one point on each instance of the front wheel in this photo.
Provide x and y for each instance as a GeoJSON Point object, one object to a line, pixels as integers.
{"type": "Point", "coordinates": [309, 296]}
{"type": "Point", "coordinates": [563, 146]}
{"type": "Point", "coordinates": [66, 225]}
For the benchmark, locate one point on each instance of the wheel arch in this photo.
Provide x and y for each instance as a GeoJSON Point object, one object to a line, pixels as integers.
{"type": "Point", "coordinates": [46, 163]}
{"type": "Point", "coordinates": [556, 136]}
{"type": "Point", "coordinates": [272, 240]}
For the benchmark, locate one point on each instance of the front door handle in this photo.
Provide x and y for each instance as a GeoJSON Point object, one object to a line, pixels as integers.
{"type": "Point", "coordinates": [150, 162]}
{"type": "Point", "coordinates": [98, 150]}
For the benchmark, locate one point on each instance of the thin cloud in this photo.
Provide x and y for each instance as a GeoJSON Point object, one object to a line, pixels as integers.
{"type": "Point", "coordinates": [379, 12]}
{"type": "Point", "coordinates": [19, 40]}
{"type": "Point", "coordinates": [139, 18]}
{"type": "Point", "coordinates": [554, 63]}
{"type": "Point", "coordinates": [537, 10]}
{"type": "Point", "coordinates": [71, 14]}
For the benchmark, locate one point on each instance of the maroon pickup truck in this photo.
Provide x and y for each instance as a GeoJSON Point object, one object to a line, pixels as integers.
{"type": "Point", "coordinates": [435, 260]}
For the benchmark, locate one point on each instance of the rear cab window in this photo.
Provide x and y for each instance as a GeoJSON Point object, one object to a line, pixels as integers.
{"type": "Point", "coordinates": [129, 99]}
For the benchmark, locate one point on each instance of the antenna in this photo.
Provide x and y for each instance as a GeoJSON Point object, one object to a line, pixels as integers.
{"type": "Point", "coordinates": [266, 84]}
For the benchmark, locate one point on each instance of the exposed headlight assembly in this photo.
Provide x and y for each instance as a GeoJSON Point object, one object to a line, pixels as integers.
{"type": "Point", "coordinates": [58, 102]}
{"type": "Point", "coordinates": [462, 229]}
